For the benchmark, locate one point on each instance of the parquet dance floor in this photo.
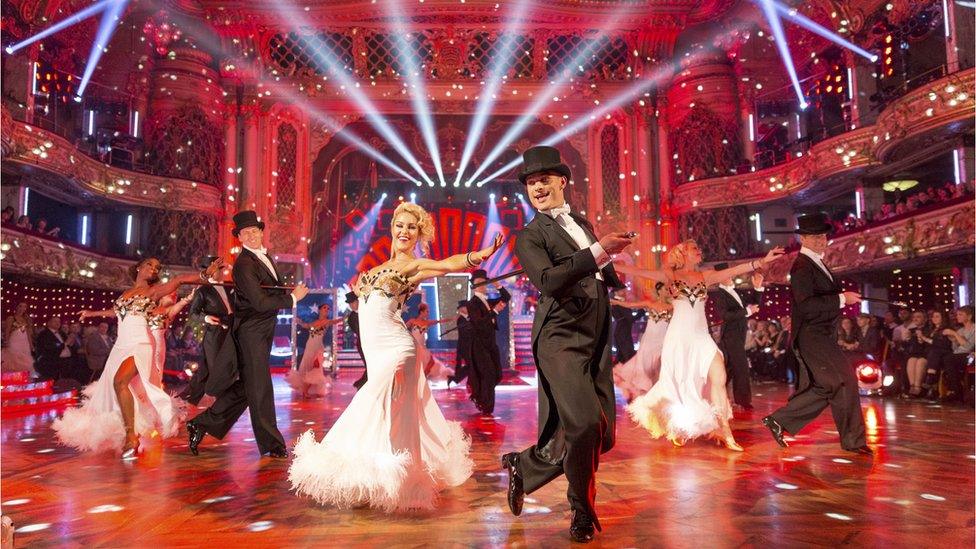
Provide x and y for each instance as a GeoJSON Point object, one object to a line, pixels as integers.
{"type": "Point", "coordinates": [918, 491]}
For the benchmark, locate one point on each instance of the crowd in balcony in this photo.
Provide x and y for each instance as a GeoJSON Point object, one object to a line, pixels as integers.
{"type": "Point", "coordinates": [9, 218]}
{"type": "Point", "coordinates": [930, 198]}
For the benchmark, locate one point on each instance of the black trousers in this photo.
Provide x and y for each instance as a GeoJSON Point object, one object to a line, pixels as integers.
{"type": "Point", "coordinates": [623, 339]}
{"type": "Point", "coordinates": [358, 384]}
{"type": "Point", "coordinates": [252, 390]}
{"type": "Point", "coordinates": [826, 379]}
{"type": "Point", "coordinates": [484, 375]}
{"type": "Point", "coordinates": [737, 369]}
{"type": "Point", "coordinates": [217, 370]}
{"type": "Point", "coordinates": [577, 414]}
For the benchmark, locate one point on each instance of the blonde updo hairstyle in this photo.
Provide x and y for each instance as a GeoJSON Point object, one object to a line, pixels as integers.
{"type": "Point", "coordinates": [677, 256]}
{"type": "Point", "coordinates": [425, 223]}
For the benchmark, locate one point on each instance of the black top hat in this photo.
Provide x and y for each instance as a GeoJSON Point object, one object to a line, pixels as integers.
{"type": "Point", "coordinates": [816, 223]}
{"type": "Point", "coordinates": [542, 159]}
{"type": "Point", "coordinates": [244, 219]}
{"type": "Point", "coordinates": [206, 260]}
{"type": "Point", "coordinates": [351, 297]}
{"type": "Point", "coordinates": [479, 273]}
{"type": "Point", "coordinates": [720, 266]}
{"type": "Point", "coordinates": [462, 303]}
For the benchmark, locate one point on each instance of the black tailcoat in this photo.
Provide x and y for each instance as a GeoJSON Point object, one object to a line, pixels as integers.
{"type": "Point", "coordinates": [218, 369]}
{"type": "Point", "coordinates": [733, 341]}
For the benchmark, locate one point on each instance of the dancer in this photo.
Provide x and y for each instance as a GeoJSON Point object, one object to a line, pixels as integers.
{"type": "Point", "coordinates": [623, 328]}
{"type": "Point", "coordinates": [122, 404]}
{"type": "Point", "coordinates": [217, 369]}
{"type": "Point", "coordinates": [462, 356]}
{"type": "Point", "coordinates": [689, 400]}
{"type": "Point", "coordinates": [636, 376]}
{"type": "Point", "coordinates": [18, 340]}
{"type": "Point", "coordinates": [570, 343]}
{"type": "Point", "coordinates": [309, 379]}
{"type": "Point", "coordinates": [159, 322]}
{"type": "Point", "coordinates": [352, 322]}
{"type": "Point", "coordinates": [486, 369]}
{"type": "Point", "coordinates": [255, 315]}
{"type": "Point", "coordinates": [391, 448]}
{"type": "Point", "coordinates": [433, 368]}
{"type": "Point", "coordinates": [826, 378]}
{"type": "Point", "coordinates": [734, 310]}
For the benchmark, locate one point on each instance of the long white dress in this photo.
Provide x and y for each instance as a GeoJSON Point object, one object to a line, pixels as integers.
{"type": "Point", "coordinates": [636, 376]}
{"type": "Point", "coordinates": [310, 377]}
{"type": "Point", "coordinates": [433, 368]}
{"type": "Point", "coordinates": [16, 356]}
{"type": "Point", "coordinates": [677, 406]}
{"type": "Point", "coordinates": [158, 328]}
{"type": "Point", "coordinates": [391, 449]}
{"type": "Point", "coordinates": [97, 425]}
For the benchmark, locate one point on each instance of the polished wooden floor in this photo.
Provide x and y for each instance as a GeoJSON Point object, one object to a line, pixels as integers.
{"type": "Point", "coordinates": [917, 491]}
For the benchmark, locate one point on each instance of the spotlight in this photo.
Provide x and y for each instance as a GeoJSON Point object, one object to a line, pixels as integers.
{"type": "Point", "coordinates": [383, 195]}
{"type": "Point", "coordinates": [824, 32]}
{"type": "Point", "coordinates": [491, 197]}
{"type": "Point", "coordinates": [61, 25]}
{"type": "Point", "coordinates": [413, 197]}
{"type": "Point", "coordinates": [776, 26]}
{"type": "Point", "coordinates": [9, 50]}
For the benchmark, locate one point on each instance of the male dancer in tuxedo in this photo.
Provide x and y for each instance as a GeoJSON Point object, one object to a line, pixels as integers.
{"type": "Point", "coordinates": [255, 316]}
{"type": "Point", "coordinates": [623, 329]}
{"type": "Point", "coordinates": [218, 369]}
{"type": "Point", "coordinates": [570, 343]}
{"type": "Point", "coordinates": [735, 308]}
{"type": "Point", "coordinates": [826, 378]}
{"type": "Point", "coordinates": [486, 369]}
{"type": "Point", "coordinates": [462, 360]}
{"type": "Point", "coordinates": [352, 322]}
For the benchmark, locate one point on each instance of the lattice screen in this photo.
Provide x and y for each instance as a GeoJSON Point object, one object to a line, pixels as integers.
{"type": "Point", "coordinates": [703, 145]}
{"type": "Point", "coordinates": [721, 233]}
{"type": "Point", "coordinates": [291, 53]}
{"type": "Point", "coordinates": [186, 144]}
{"type": "Point", "coordinates": [485, 48]}
{"type": "Point", "coordinates": [179, 237]}
{"type": "Point", "coordinates": [610, 165]}
{"type": "Point", "coordinates": [285, 182]}
{"type": "Point", "coordinates": [604, 59]}
{"type": "Point", "coordinates": [385, 60]}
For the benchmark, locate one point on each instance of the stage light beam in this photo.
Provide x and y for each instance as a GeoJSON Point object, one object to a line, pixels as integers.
{"type": "Point", "coordinates": [812, 26]}
{"type": "Point", "coordinates": [776, 26]}
{"type": "Point", "coordinates": [106, 28]}
{"type": "Point", "coordinates": [61, 25]}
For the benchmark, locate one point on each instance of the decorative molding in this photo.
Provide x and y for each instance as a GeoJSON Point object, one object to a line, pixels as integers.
{"type": "Point", "coordinates": [943, 231]}
{"type": "Point", "coordinates": [36, 256]}
{"type": "Point", "coordinates": [33, 146]}
{"type": "Point", "coordinates": [921, 111]}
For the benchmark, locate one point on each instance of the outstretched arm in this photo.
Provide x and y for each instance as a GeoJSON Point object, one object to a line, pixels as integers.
{"type": "Point", "coordinates": [422, 269]}
{"type": "Point", "coordinates": [714, 277]}
{"type": "Point", "coordinates": [105, 313]}
{"type": "Point", "coordinates": [159, 290]}
{"type": "Point", "coordinates": [642, 304]}
{"type": "Point", "coordinates": [631, 270]}
{"type": "Point", "coordinates": [174, 309]}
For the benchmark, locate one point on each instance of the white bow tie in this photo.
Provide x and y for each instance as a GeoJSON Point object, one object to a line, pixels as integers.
{"type": "Point", "coordinates": [558, 210]}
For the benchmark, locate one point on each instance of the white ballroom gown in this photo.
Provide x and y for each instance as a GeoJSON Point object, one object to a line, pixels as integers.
{"type": "Point", "coordinates": [310, 376]}
{"type": "Point", "coordinates": [636, 376]}
{"type": "Point", "coordinates": [391, 449]}
{"type": "Point", "coordinates": [677, 406]}
{"type": "Point", "coordinates": [97, 425]}
{"type": "Point", "coordinates": [433, 368]}
{"type": "Point", "coordinates": [16, 356]}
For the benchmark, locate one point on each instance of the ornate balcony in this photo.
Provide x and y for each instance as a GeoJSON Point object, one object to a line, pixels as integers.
{"type": "Point", "coordinates": [49, 259]}
{"type": "Point", "coordinates": [36, 151]}
{"type": "Point", "coordinates": [913, 123]}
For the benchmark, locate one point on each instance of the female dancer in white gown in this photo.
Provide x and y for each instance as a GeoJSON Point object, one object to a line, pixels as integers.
{"type": "Point", "coordinates": [159, 324]}
{"type": "Point", "coordinates": [309, 379]}
{"type": "Point", "coordinates": [122, 404]}
{"type": "Point", "coordinates": [391, 449]}
{"type": "Point", "coordinates": [636, 376]}
{"type": "Point", "coordinates": [433, 368]}
{"type": "Point", "coordinates": [689, 400]}
{"type": "Point", "coordinates": [18, 338]}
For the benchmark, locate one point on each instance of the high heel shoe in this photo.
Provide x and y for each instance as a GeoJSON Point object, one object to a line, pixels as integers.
{"type": "Point", "coordinates": [730, 443]}
{"type": "Point", "coordinates": [131, 452]}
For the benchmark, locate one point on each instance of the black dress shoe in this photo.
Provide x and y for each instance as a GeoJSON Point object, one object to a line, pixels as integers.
{"type": "Point", "coordinates": [776, 429]}
{"type": "Point", "coordinates": [748, 407]}
{"type": "Point", "coordinates": [863, 450]}
{"type": "Point", "coordinates": [278, 453]}
{"type": "Point", "coordinates": [516, 493]}
{"type": "Point", "coordinates": [195, 435]}
{"type": "Point", "coordinates": [581, 529]}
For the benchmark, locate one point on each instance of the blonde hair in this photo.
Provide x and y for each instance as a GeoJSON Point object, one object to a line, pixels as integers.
{"type": "Point", "coordinates": [425, 223]}
{"type": "Point", "coordinates": [678, 255]}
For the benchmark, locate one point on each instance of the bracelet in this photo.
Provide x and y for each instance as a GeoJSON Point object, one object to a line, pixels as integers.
{"type": "Point", "coordinates": [203, 275]}
{"type": "Point", "coordinates": [472, 263]}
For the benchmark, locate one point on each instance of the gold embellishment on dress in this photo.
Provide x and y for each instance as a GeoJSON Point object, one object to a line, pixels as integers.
{"type": "Point", "coordinates": [157, 322]}
{"type": "Point", "coordinates": [389, 281]}
{"type": "Point", "coordinates": [138, 305]}
{"type": "Point", "coordinates": [660, 316]}
{"type": "Point", "coordinates": [693, 293]}
{"type": "Point", "coordinates": [312, 332]}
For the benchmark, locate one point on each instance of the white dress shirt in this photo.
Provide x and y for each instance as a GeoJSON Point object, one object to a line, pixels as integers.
{"type": "Point", "coordinates": [262, 254]}
{"type": "Point", "coordinates": [561, 215]}
{"type": "Point", "coordinates": [818, 260]}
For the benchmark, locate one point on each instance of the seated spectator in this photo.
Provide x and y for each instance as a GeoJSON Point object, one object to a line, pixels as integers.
{"type": "Point", "coordinates": [53, 356]}
{"type": "Point", "coordinates": [963, 339]}
{"type": "Point", "coordinates": [97, 347]}
{"type": "Point", "coordinates": [23, 222]}
{"type": "Point", "coordinates": [783, 358]}
{"type": "Point", "coordinates": [915, 351]}
{"type": "Point", "coordinates": [41, 227]}
{"type": "Point", "coordinates": [869, 336]}
{"type": "Point", "coordinates": [8, 215]}
{"type": "Point", "coordinates": [939, 348]}
{"type": "Point", "coordinates": [848, 336]}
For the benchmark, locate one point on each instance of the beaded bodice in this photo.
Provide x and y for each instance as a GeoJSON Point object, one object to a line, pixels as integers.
{"type": "Point", "coordinates": [18, 324]}
{"type": "Point", "coordinates": [158, 322]}
{"type": "Point", "coordinates": [655, 315]}
{"type": "Point", "coordinates": [389, 281]}
{"type": "Point", "coordinates": [313, 331]}
{"type": "Point", "coordinates": [138, 305]}
{"type": "Point", "coordinates": [680, 289]}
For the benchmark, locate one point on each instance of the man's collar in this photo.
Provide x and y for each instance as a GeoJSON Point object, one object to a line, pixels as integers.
{"type": "Point", "coordinates": [256, 250]}
{"type": "Point", "coordinates": [811, 254]}
{"type": "Point", "coordinates": [561, 209]}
